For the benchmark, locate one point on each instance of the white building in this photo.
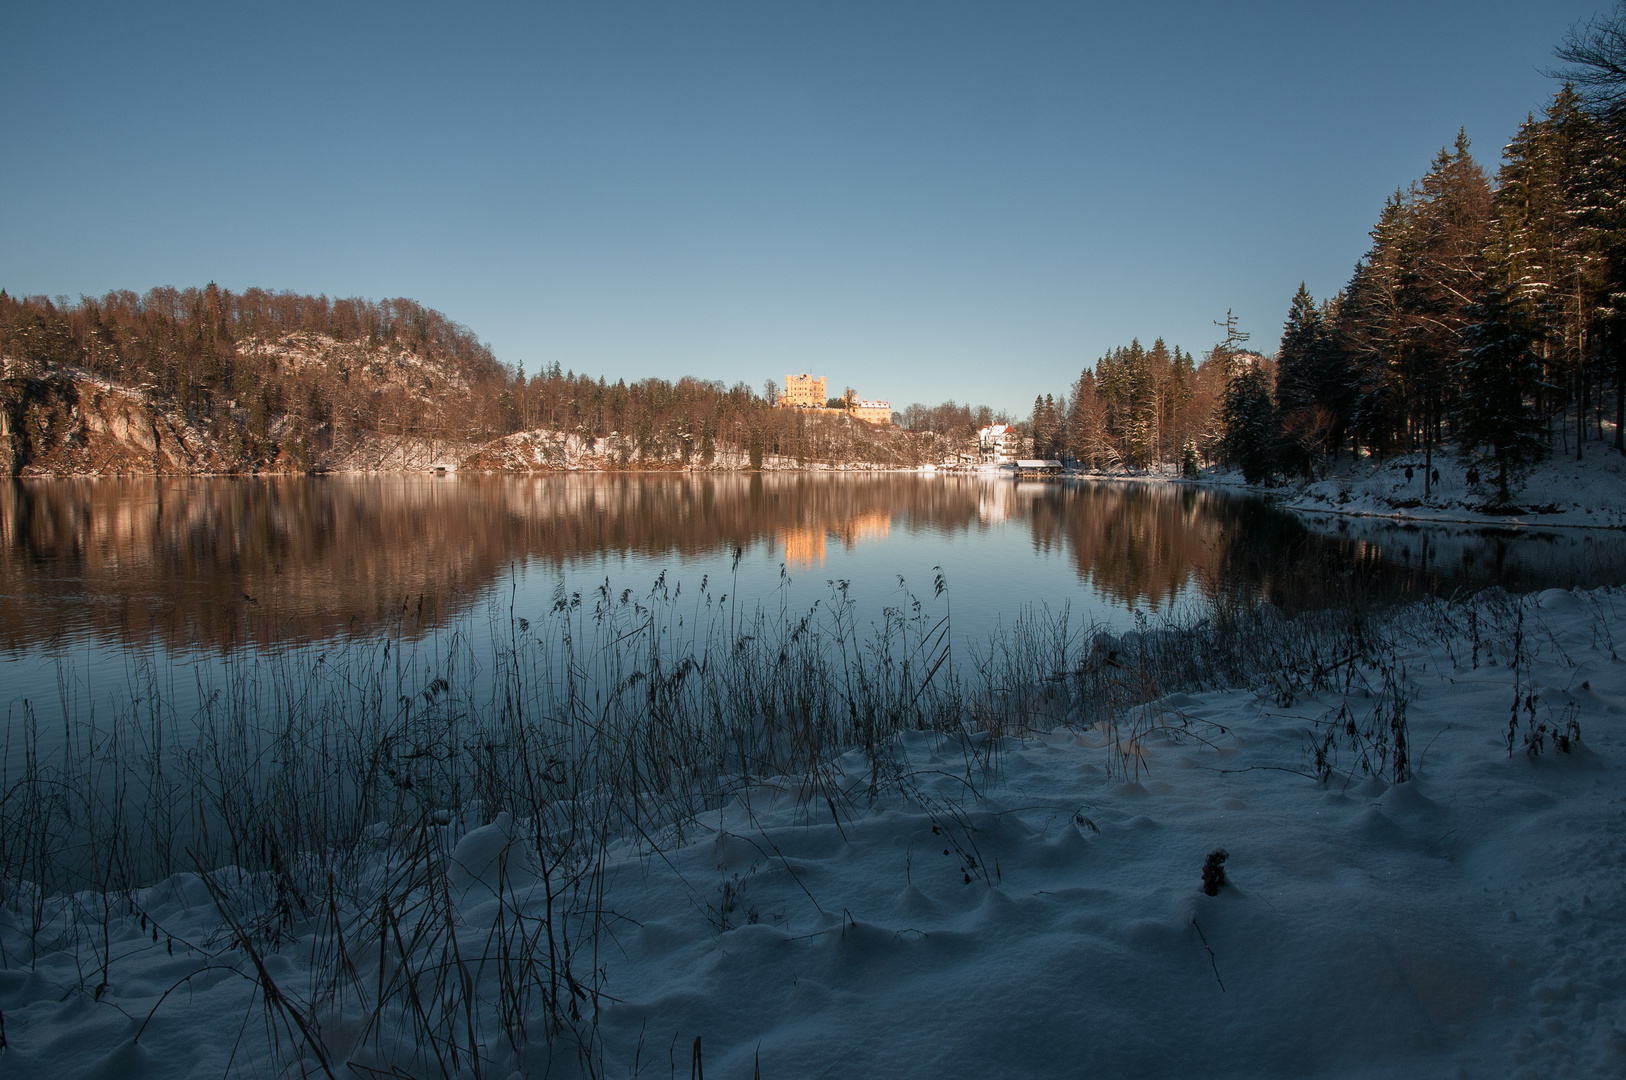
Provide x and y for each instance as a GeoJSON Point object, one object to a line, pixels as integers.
{"type": "Point", "coordinates": [997, 444]}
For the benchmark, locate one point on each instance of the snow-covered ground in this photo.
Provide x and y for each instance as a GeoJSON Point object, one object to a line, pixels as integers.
{"type": "Point", "coordinates": [1045, 919]}
{"type": "Point", "coordinates": [1560, 491]}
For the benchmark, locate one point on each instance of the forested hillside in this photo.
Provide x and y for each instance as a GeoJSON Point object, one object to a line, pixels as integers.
{"type": "Point", "coordinates": [210, 380]}
{"type": "Point", "coordinates": [207, 380]}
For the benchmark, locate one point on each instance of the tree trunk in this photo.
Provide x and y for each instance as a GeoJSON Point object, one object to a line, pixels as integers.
{"type": "Point", "coordinates": [1620, 400]}
{"type": "Point", "coordinates": [1580, 408]}
{"type": "Point", "coordinates": [1428, 460]}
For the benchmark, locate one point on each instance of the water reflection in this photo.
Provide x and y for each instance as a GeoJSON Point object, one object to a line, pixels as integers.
{"type": "Point", "coordinates": [804, 543]}
{"type": "Point", "coordinates": [219, 562]}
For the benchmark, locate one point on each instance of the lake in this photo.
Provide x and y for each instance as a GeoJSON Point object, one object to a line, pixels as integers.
{"type": "Point", "coordinates": [173, 577]}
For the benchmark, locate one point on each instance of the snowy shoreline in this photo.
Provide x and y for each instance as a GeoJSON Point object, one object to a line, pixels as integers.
{"type": "Point", "coordinates": [1587, 494]}
{"type": "Point", "coordinates": [1024, 903]}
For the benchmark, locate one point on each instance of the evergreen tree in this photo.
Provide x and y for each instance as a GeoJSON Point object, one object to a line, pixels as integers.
{"type": "Point", "coordinates": [1604, 214]}
{"type": "Point", "coordinates": [1299, 384]}
{"type": "Point", "coordinates": [1546, 202]}
{"type": "Point", "coordinates": [1373, 330]}
{"type": "Point", "coordinates": [1454, 215]}
{"type": "Point", "coordinates": [1499, 374]}
{"type": "Point", "coordinates": [1086, 435]}
{"type": "Point", "coordinates": [1595, 59]}
{"type": "Point", "coordinates": [1336, 390]}
{"type": "Point", "coordinates": [1115, 386]}
{"type": "Point", "coordinates": [1041, 426]}
{"type": "Point", "coordinates": [1250, 421]}
{"type": "Point", "coordinates": [1056, 413]}
{"type": "Point", "coordinates": [1298, 361]}
{"type": "Point", "coordinates": [1179, 389]}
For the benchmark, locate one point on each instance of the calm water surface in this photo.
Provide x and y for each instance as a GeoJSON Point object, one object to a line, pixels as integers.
{"type": "Point", "coordinates": [101, 578]}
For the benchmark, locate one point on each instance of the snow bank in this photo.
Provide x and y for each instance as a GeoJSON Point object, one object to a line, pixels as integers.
{"type": "Point", "coordinates": [1561, 491]}
{"type": "Point", "coordinates": [1043, 916]}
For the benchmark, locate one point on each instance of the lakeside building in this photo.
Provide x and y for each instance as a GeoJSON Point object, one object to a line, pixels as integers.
{"type": "Point", "coordinates": [1028, 468]}
{"type": "Point", "coordinates": [803, 391]}
{"type": "Point", "coordinates": [876, 412]}
{"type": "Point", "coordinates": [996, 444]}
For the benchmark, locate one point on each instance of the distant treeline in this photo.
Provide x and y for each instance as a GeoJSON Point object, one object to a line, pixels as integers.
{"type": "Point", "coordinates": [1138, 407]}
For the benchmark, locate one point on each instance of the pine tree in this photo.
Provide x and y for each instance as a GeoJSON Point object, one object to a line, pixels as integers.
{"type": "Point", "coordinates": [1041, 426]}
{"type": "Point", "coordinates": [1250, 421]}
{"type": "Point", "coordinates": [1296, 375]}
{"type": "Point", "coordinates": [1177, 398]}
{"type": "Point", "coordinates": [1299, 378]}
{"type": "Point", "coordinates": [1603, 213]}
{"type": "Point", "coordinates": [1547, 201]}
{"type": "Point", "coordinates": [1499, 374]}
{"type": "Point", "coordinates": [1142, 407]}
{"type": "Point", "coordinates": [1454, 215]}
{"type": "Point", "coordinates": [1336, 391]}
{"type": "Point", "coordinates": [1086, 432]}
{"type": "Point", "coordinates": [1595, 59]}
{"type": "Point", "coordinates": [1114, 386]}
{"type": "Point", "coordinates": [1373, 329]}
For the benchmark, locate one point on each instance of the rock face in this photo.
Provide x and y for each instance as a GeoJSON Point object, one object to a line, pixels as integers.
{"type": "Point", "coordinates": [332, 407]}
{"type": "Point", "coordinates": [8, 455]}
{"type": "Point", "coordinates": [65, 422]}
{"type": "Point", "coordinates": [65, 426]}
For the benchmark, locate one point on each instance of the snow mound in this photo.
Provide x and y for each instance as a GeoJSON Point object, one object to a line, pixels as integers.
{"type": "Point", "coordinates": [490, 859]}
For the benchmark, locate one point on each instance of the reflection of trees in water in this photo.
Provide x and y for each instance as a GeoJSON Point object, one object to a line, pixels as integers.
{"type": "Point", "coordinates": [214, 562]}
{"type": "Point", "coordinates": [1138, 544]}
{"type": "Point", "coordinates": [218, 561]}
{"type": "Point", "coordinates": [1141, 544]}
{"type": "Point", "coordinates": [1265, 554]}
{"type": "Point", "coordinates": [1443, 559]}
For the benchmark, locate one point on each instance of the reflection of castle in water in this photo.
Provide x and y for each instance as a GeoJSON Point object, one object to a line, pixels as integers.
{"type": "Point", "coordinates": [218, 562]}
{"type": "Point", "coordinates": [803, 545]}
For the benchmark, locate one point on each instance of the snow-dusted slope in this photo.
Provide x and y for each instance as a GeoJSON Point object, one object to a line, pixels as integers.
{"type": "Point", "coordinates": [1561, 491]}
{"type": "Point", "coordinates": [1046, 919]}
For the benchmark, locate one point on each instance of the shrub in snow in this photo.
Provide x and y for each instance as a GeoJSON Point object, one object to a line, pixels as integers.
{"type": "Point", "coordinates": [1214, 871]}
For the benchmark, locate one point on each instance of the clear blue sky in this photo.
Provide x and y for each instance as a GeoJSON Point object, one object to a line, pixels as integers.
{"type": "Point", "coordinates": [921, 201]}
